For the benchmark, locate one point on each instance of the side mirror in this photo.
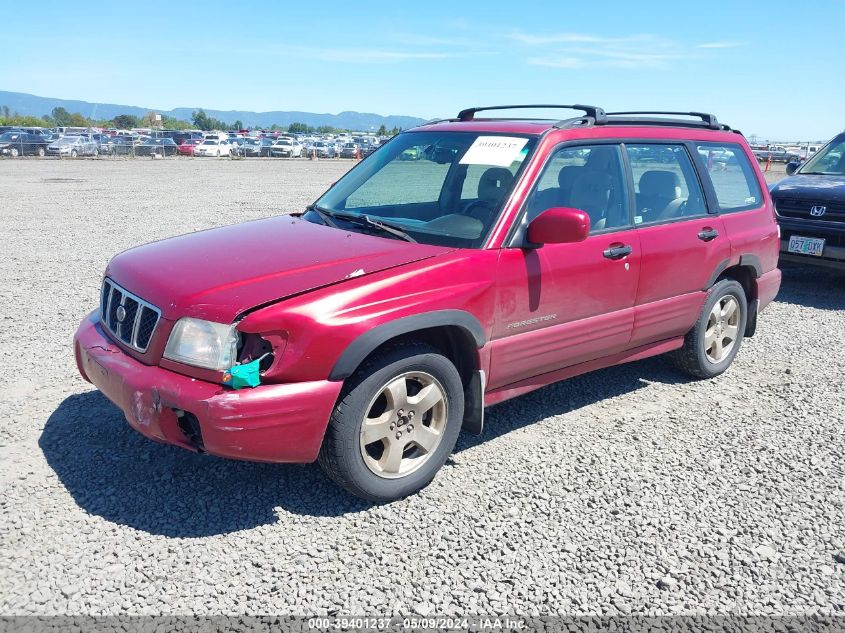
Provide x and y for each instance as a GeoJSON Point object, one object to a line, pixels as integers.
{"type": "Point", "coordinates": [559, 225]}
{"type": "Point", "coordinates": [792, 167]}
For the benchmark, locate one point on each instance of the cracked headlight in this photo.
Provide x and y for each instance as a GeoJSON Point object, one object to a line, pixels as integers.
{"type": "Point", "coordinates": [202, 344]}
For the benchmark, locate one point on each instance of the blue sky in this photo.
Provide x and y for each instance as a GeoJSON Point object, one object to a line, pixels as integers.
{"type": "Point", "coordinates": [774, 69]}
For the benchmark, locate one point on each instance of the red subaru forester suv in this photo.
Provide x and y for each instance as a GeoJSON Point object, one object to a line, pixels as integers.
{"type": "Point", "coordinates": [465, 262]}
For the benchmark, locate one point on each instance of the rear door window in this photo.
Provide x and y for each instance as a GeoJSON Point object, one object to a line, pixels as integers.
{"type": "Point", "coordinates": [733, 178]}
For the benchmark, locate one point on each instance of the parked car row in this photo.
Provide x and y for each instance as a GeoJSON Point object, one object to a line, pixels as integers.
{"type": "Point", "coordinates": [776, 154]}
{"type": "Point", "coordinates": [16, 142]}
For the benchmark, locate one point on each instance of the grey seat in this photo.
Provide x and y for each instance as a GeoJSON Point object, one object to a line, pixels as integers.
{"type": "Point", "coordinates": [659, 189]}
{"type": "Point", "coordinates": [494, 184]}
{"type": "Point", "coordinates": [591, 194]}
{"type": "Point", "coordinates": [566, 178]}
{"type": "Point", "coordinates": [556, 196]}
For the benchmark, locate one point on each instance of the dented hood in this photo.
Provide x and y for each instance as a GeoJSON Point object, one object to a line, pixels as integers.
{"type": "Point", "coordinates": [220, 273]}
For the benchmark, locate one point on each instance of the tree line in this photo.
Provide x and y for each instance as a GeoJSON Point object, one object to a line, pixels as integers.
{"type": "Point", "coordinates": [60, 117]}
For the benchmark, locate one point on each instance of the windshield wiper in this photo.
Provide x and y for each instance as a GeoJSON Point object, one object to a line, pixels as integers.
{"type": "Point", "coordinates": [383, 226]}
{"type": "Point", "coordinates": [325, 215]}
{"type": "Point", "coordinates": [368, 222]}
{"type": "Point", "coordinates": [328, 217]}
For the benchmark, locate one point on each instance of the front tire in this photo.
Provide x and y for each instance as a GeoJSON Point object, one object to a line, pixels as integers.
{"type": "Point", "coordinates": [714, 341]}
{"type": "Point", "coordinates": [14, 153]}
{"type": "Point", "coordinates": [395, 424]}
{"type": "Point", "coordinates": [41, 152]}
{"type": "Point", "coordinates": [74, 153]}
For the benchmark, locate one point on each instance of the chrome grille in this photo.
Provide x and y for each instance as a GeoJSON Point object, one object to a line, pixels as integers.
{"type": "Point", "coordinates": [129, 318]}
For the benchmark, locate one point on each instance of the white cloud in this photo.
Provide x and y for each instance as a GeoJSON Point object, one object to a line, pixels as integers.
{"type": "Point", "coordinates": [371, 56]}
{"type": "Point", "coordinates": [627, 58]}
{"type": "Point", "coordinates": [719, 45]}
{"type": "Point", "coordinates": [586, 38]}
{"type": "Point", "coordinates": [557, 62]}
{"type": "Point", "coordinates": [638, 51]}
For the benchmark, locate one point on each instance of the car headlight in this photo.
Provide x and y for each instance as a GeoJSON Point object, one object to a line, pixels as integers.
{"type": "Point", "coordinates": [202, 344]}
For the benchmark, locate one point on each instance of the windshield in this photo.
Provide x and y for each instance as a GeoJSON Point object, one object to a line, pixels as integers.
{"type": "Point", "coordinates": [69, 140]}
{"type": "Point", "coordinates": [209, 142]}
{"type": "Point", "coordinates": [829, 160]}
{"type": "Point", "coordinates": [442, 188]}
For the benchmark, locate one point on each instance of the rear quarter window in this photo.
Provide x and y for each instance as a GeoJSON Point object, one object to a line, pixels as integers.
{"type": "Point", "coordinates": [733, 178]}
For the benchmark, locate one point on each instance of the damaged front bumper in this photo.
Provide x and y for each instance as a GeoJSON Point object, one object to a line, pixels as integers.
{"type": "Point", "coordinates": [270, 423]}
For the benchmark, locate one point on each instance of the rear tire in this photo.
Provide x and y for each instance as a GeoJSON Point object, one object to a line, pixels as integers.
{"type": "Point", "coordinates": [714, 341]}
{"type": "Point", "coordinates": [410, 399]}
{"type": "Point", "coordinates": [41, 152]}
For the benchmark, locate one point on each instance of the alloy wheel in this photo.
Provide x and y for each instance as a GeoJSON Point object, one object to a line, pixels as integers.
{"type": "Point", "coordinates": [722, 329]}
{"type": "Point", "coordinates": [403, 425]}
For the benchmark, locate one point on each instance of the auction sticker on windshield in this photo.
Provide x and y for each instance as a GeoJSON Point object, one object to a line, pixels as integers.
{"type": "Point", "coordinates": [500, 151]}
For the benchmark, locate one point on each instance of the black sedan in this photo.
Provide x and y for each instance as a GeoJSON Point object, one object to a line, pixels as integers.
{"type": "Point", "coordinates": [153, 147]}
{"type": "Point", "coordinates": [116, 146]}
{"type": "Point", "coordinates": [16, 144]}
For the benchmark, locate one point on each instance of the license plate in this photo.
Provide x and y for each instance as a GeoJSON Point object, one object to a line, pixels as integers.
{"type": "Point", "coordinates": [806, 245]}
{"type": "Point", "coordinates": [94, 366]}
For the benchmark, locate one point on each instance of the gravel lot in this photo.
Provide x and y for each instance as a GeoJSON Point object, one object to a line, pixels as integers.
{"type": "Point", "coordinates": [627, 490]}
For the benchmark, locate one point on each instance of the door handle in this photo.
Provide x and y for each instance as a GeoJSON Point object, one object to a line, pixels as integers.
{"type": "Point", "coordinates": [618, 252]}
{"type": "Point", "coordinates": [708, 234]}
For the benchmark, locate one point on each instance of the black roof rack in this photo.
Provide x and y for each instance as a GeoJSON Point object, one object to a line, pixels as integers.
{"type": "Point", "coordinates": [594, 112]}
{"type": "Point", "coordinates": [594, 115]}
{"type": "Point", "coordinates": [707, 120]}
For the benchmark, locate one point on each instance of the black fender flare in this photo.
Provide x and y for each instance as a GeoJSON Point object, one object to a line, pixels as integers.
{"type": "Point", "coordinates": [752, 261]}
{"type": "Point", "coordinates": [722, 267]}
{"type": "Point", "coordinates": [362, 346]}
{"type": "Point", "coordinates": [747, 261]}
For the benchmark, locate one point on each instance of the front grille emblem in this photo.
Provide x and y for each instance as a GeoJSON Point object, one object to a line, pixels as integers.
{"type": "Point", "coordinates": [130, 319]}
{"type": "Point", "coordinates": [818, 211]}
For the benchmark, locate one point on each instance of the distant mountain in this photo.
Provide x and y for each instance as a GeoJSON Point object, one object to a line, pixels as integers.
{"type": "Point", "coordinates": [32, 105]}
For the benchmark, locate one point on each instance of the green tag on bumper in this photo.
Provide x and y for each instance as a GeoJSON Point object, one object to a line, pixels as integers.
{"type": "Point", "coordinates": [245, 375]}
